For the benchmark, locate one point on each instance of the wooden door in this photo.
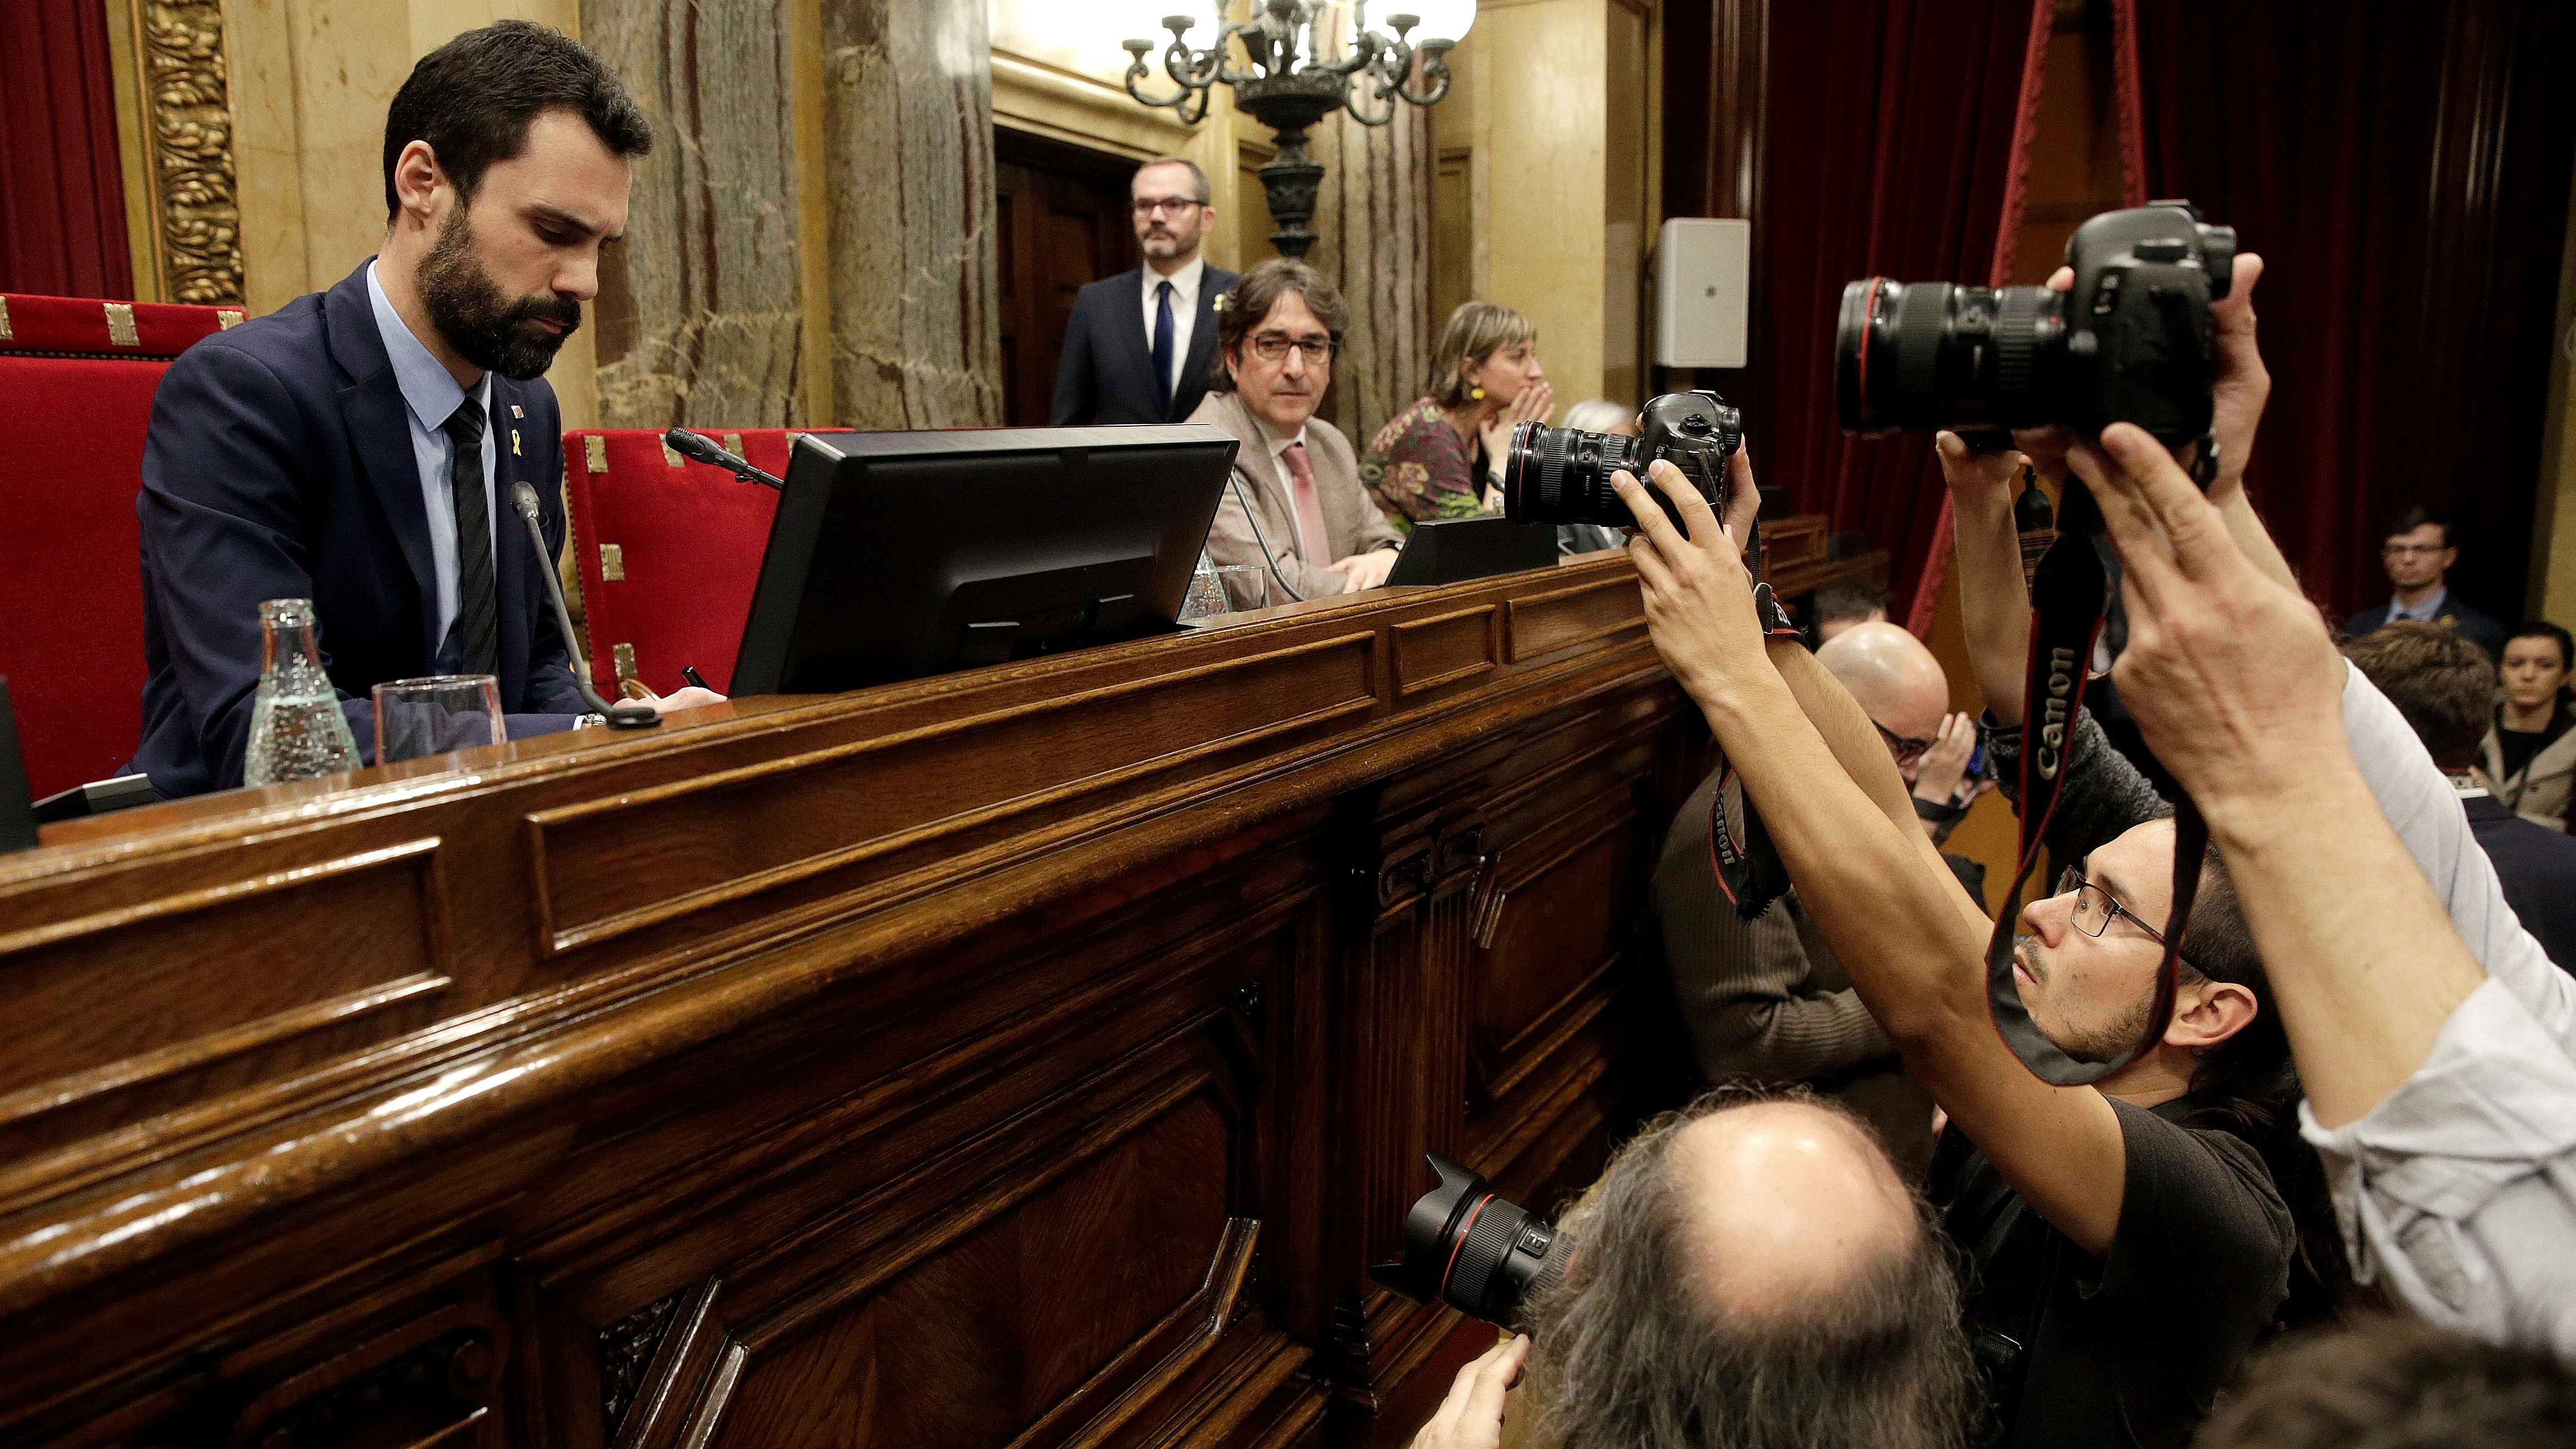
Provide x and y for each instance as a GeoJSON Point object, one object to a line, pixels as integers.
{"type": "Point", "coordinates": [1061, 213]}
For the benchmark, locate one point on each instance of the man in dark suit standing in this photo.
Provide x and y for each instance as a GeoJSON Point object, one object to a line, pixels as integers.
{"type": "Point", "coordinates": [2445, 686]}
{"type": "Point", "coordinates": [2418, 554]}
{"type": "Point", "coordinates": [358, 447]}
{"type": "Point", "coordinates": [1138, 346]}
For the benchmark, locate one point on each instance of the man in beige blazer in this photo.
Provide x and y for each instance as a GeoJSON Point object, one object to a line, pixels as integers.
{"type": "Point", "coordinates": [1310, 518]}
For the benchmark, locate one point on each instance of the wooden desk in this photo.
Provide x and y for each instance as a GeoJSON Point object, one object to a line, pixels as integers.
{"type": "Point", "coordinates": [1035, 1056]}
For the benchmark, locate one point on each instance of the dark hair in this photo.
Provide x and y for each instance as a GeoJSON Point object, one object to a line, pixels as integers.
{"type": "Point", "coordinates": [472, 99]}
{"type": "Point", "coordinates": [1848, 600]}
{"type": "Point", "coordinates": [1629, 1350]}
{"type": "Point", "coordinates": [2441, 681]}
{"type": "Point", "coordinates": [2396, 1383]}
{"type": "Point", "coordinates": [2543, 629]}
{"type": "Point", "coordinates": [2248, 1085]}
{"type": "Point", "coordinates": [2414, 516]}
{"type": "Point", "coordinates": [1198, 177]}
{"type": "Point", "coordinates": [1258, 292]}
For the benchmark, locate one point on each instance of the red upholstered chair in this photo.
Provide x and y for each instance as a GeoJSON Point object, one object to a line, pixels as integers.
{"type": "Point", "coordinates": [669, 550]}
{"type": "Point", "coordinates": [76, 384]}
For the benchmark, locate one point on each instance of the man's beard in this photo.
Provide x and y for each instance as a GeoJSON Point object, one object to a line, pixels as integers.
{"type": "Point", "coordinates": [485, 328]}
{"type": "Point", "coordinates": [2106, 1044]}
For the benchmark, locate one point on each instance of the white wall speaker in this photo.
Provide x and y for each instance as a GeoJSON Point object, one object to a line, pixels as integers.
{"type": "Point", "coordinates": [1703, 281]}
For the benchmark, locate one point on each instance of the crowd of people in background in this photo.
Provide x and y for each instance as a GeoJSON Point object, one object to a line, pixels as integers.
{"type": "Point", "coordinates": [2356, 1130]}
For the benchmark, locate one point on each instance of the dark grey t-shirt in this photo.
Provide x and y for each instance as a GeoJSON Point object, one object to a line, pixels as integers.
{"type": "Point", "coordinates": [2133, 1349]}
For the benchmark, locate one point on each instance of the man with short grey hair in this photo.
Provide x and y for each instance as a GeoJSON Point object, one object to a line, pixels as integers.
{"type": "Point", "coordinates": [1138, 346]}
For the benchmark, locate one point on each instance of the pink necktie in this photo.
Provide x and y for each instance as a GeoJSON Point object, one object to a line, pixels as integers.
{"type": "Point", "coordinates": [1312, 540]}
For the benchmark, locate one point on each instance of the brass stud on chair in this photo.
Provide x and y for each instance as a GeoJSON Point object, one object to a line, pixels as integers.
{"type": "Point", "coordinates": [612, 563]}
{"type": "Point", "coordinates": [120, 324]}
{"type": "Point", "coordinates": [227, 318]}
{"type": "Point", "coordinates": [594, 452]}
{"type": "Point", "coordinates": [623, 657]}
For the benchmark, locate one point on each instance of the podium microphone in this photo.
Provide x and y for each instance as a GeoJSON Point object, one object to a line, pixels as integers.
{"type": "Point", "coordinates": [622, 716]}
{"type": "Point", "coordinates": [700, 447]}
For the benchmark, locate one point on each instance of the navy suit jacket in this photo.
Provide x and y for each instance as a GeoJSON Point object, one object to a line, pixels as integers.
{"type": "Point", "coordinates": [2537, 868]}
{"type": "Point", "coordinates": [279, 466]}
{"type": "Point", "coordinates": [2486, 633]}
{"type": "Point", "coordinates": [1106, 374]}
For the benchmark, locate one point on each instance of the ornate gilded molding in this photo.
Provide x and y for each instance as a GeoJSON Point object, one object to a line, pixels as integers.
{"type": "Point", "coordinates": [188, 126]}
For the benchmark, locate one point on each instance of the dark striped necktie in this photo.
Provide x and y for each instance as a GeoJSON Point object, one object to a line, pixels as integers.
{"type": "Point", "coordinates": [473, 641]}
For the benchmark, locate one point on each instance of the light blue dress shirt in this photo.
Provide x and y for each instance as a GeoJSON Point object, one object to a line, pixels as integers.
{"type": "Point", "coordinates": [430, 396]}
{"type": "Point", "coordinates": [2429, 611]}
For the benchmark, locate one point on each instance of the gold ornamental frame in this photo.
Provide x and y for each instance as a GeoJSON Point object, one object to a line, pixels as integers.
{"type": "Point", "coordinates": [174, 129]}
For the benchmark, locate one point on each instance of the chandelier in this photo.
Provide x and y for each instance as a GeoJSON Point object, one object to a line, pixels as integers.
{"type": "Point", "coordinates": [1291, 83]}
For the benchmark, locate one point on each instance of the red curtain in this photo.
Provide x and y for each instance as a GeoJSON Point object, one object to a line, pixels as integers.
{"type": "Point", "coordinates": [2403, 168]}
{"type": "Point", "coordinates": [1890, 150]}
{"type": "Point", "coordinates": [62, 194]}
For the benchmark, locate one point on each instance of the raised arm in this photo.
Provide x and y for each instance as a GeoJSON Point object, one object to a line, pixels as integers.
{"type": "Point", "coordinates": [1894, 918]}
{"type": "Point", "coordinates": [2238, 688]}
{"type": "Point", "coordinates": [1994, 603]}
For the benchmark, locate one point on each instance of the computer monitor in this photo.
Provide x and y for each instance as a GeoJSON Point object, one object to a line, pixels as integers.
{"type": "Point", "coordinates": [898, 555]}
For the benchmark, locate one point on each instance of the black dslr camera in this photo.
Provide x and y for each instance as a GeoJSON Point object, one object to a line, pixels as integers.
{"type": "Point", "coordinates": [1562, 475]}
{"type": "Point", "coordinates": [1466, 1247]}
{"type": "Point", "coordinates": [2130, 343]}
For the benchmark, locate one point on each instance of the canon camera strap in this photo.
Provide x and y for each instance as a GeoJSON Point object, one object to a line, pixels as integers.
{"type": "Point", "coordinates": [1748, 869]}
{"type": "Point", "coordinates": [2068, 597]}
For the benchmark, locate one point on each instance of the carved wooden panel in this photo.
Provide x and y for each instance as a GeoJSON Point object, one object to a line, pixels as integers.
{"type": "Point", "coordinates": [1445, 649]}
{"type": "Point", "coordinates": [140, 1007]}
{"type": "Point", "coordinates": [1037, 1056]}
{"type": "Point", "coordinates": [608, 867]}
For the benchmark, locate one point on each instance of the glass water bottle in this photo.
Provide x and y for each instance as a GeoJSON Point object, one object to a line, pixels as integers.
{"type": "Point", "coordinates": [296, 728]}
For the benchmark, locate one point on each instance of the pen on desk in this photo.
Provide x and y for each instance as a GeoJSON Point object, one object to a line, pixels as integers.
{"type": "Point", "coordinates": [690, 673]}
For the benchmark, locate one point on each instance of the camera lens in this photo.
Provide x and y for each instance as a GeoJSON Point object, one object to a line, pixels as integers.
{"type": "Point", "coordinates": [1467, 1247]}
{"type": "Point", "coordinates": [1562, 475]}
{"type": "Point", "coordinates": [1927, 355]}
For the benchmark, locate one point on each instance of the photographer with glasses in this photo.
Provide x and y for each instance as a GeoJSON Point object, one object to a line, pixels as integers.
{"type": "Point", "coordinates": [2130, 1239]}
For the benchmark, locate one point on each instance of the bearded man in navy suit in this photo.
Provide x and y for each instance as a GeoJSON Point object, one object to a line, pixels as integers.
{"type": "Point", "coordinates": [358, 447]}
{"type": "Point", "coordinates": [1139, 344]}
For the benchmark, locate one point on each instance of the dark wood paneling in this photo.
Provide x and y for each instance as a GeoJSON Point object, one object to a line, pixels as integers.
{"type": "Point", "coordinates": [1035, 1056]}
{"type": "Point", "coordinates": [1062, 214]}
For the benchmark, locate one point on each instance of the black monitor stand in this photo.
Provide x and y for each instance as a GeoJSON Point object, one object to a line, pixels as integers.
{"type": "Point", "coordinates": [17, 813]}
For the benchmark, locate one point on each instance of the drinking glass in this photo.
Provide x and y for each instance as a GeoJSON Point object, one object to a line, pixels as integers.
{"type": "Point", "coordinates": [1230, 589]}
{"type": "Point", "coordinates": [437, 715]}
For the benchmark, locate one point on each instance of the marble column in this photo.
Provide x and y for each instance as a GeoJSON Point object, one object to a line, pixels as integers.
{"type": "Point", "coordinates": [1374, 219]}
{"type": "Point", "coordinates": [908, 137]}
{"type": "Point", "coordinates": [700, 313]}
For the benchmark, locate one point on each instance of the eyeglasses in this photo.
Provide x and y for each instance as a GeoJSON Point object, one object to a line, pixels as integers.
{"type": "Point", "coordinates": [1906, 750]}
{"type": "Point", "coordinates": [1148, 205]}
{"type": "Point", "coordinates": [2411, 550]}
{"type": "Point", "coordinates": [1273, 347]}
{"type": "Point", "coordinates": [2096, 908]}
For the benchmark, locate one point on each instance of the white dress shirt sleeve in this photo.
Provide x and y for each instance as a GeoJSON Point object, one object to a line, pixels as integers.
{"type": "Point", "coordinates": [2459, 1190]}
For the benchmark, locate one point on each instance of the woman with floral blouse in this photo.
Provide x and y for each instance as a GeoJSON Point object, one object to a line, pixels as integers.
{"type": "Point", "coordinates": [1443, 456]}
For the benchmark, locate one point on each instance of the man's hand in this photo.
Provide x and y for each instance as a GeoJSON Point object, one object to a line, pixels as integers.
{"type": "Point", "coordinates": [687, 698]}
{"type": "Point", "coordinates": [1363, 570]}
{"type": "Point", "coordinates": [1472, 1416]}
{"type": "Point", "coordinates": [1938, 774]}
{"type": "Point", "coordinates": [2232, 677]}
{"type": "Point", "coordinates": [1699, 599]}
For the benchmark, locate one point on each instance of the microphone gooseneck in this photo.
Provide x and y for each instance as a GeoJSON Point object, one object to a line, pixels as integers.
{"type": "Point", "coordinates": [701, 448]}
{"type": "Point", "coordinates": [626, 716]}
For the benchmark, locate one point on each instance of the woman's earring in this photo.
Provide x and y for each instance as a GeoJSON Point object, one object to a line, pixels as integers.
{"type": "Point", "coordinates": [1476, 394]}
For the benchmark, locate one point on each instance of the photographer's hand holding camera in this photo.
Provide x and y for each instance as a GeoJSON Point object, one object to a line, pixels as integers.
{"type": "Point", "coordinates": [2130, 1245]}
{"type": "Point", "coordinates": [2182, 681]}
{"type": "Point", "coordinates": [2436, 1041]}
